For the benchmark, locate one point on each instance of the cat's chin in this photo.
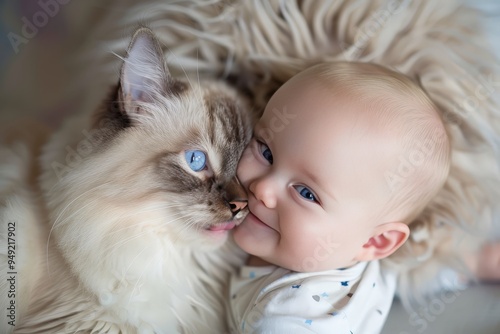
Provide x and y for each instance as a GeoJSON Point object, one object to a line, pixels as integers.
{"type": "Point", "coordinates": [219, 227]}
{"type": "Point", "coordinates": [214, 236]}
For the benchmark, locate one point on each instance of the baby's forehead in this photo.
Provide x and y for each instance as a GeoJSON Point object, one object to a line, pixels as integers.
{"type": "Point", "coordinates": [332, 122]}
{"type": "Point", "coordinates": [362, 80]}
{"type": "Point", "coordinates": [377, 107]}
{"type": "Point", "coordinates": [314, 102]}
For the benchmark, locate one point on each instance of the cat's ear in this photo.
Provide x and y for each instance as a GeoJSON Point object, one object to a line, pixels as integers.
{"type": "Point", "coordinates": [143, 74]}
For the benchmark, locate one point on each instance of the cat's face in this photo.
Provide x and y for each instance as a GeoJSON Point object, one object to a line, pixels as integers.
{"type": "Point", "coordinates": [166, 158]}
{"type": "Point", "coordinates": [190, 136]}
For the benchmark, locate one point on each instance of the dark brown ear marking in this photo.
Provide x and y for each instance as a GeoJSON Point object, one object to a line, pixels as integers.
{"type": "Point", "coordinates": [109, 118]}
{"type": "Point", "coordinates": [112, 113]}
{"type": "Point", "coordinates": [176, 88]}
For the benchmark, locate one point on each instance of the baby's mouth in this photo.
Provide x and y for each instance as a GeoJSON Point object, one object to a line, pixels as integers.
{"type": "Point", "coordinates": [258, 220]}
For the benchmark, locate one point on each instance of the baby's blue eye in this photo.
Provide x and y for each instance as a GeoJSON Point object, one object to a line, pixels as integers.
{"type": "Point", "coordinates": [306, 193]}
{"type": "Point", "coordinates": [266, 152]}
{"type": "Point", "coordinates": [196, 160]}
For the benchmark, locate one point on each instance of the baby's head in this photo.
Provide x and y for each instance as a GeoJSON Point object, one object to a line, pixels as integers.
{"type": "Point", "coordinates": [343, 158]}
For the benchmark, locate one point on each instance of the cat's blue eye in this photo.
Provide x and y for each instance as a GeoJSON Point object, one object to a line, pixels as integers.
{"type": "Point", "coordinates": [266, 152]}
{"type": "Point", "coordinates": [306, 193]}
{"type": "Point", "coordinates": [197, 160]}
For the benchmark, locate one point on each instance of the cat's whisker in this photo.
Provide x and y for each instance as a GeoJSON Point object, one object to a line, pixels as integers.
{"type": "Point", "coordinates": [172, 220]}
{"type": "Point", "coordinates": [122, 242]}
{"type": "Point", "coordinates": [118, 56]}
{"type": "Point", "coordinates": [189, 81]}
{"type": "Point", "coordinates": [139, 223]}
{"type": "Point", "coordinates": [177, 216]}
{"type": "Point", "coordinates": [75, 199]}
{"type": "Point", "coordinates": [122, 217]}
{"type": "Point", "coordinates": [166, 205]}
{"type": "Point", "coordinates": [63, 221]}
{"type": "Point", "coordinates": [189, 224]}
{"type": "Point", "coordinates": [198, 71]}
{"type": "Point", "coordinates": [198, 66]}
{"type": "Point", "coordinates": [138, 280]}
{"type": "Point", "coordinates": [56, 222]}
{"type": "Point", "coordinates": [185, 73]}
{"type": "Point", "coordinates": [130, 265]}
{"type": "Point", "coordinates": [125, 228]}
{"type": "Point", "coordinates": [114, 247]}
{"type": "Point", "coordinates": [148, 210]}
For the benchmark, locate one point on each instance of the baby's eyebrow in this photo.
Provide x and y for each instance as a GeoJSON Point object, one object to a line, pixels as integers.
{"type": "Point", "coordinates": [260, 135]}
{"type": "Point", "coordinates": [318, 184]}
{"type": "Point", "coordinates": [257, 128]}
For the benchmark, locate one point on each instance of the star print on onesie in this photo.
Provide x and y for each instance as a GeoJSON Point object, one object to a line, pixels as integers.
{"type": "Point", "coordinates": [270, 299]}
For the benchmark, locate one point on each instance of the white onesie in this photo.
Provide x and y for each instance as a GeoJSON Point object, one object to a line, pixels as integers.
{"type": "Point", "coordinates": [273, 300]}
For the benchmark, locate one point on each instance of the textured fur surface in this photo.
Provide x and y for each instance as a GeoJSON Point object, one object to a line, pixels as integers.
{"type": "Point", "coordinates": [257, 45]}
{"type": "Point", "coordinates": [114, 231]}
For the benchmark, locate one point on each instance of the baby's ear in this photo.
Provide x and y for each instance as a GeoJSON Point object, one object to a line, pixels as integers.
{"type": "Point", "coordinates": [387, 239]}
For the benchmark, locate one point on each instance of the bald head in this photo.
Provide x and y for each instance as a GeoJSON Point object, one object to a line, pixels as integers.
{"type": "Point", "coordinates": [391, 106]}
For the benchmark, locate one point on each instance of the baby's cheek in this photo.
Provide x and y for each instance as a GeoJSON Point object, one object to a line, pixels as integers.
{"type": "Point", "coordinates": [244, 166]}
{"type": "Point", "coordinates": [322, 254]}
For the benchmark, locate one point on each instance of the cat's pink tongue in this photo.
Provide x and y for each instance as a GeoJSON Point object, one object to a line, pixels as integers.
{"type": "Point", "coordinates": [222, 226]}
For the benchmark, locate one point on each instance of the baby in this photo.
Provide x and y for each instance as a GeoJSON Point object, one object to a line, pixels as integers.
{"type": "Point", "coordinates": [330, 193]}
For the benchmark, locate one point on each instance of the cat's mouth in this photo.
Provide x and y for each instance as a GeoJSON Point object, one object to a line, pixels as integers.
{"type": "Point", "coordinates": [239, 210]}
{"type": "Point", "coordinates": [221, 227]}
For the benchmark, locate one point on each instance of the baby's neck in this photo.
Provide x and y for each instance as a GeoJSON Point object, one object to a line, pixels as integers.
{"type": "Point", "coordinates": [255, 261]}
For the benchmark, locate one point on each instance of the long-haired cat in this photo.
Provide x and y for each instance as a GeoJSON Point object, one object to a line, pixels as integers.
{"type": "Point", "coordinates": [126, 229]}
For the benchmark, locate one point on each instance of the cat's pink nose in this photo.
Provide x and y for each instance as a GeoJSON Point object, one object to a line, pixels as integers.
{"type": "Point", "coordinates": [238, 205]}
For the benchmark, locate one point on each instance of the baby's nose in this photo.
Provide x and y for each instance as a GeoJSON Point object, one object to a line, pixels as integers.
{"type": "Point", "coordinates": [264, 191]}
